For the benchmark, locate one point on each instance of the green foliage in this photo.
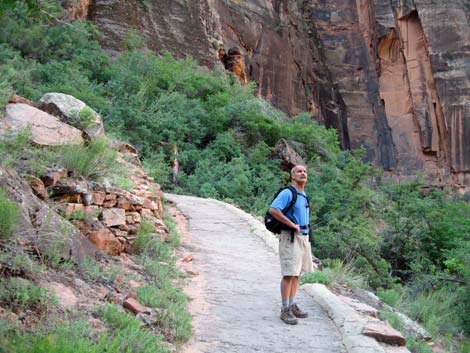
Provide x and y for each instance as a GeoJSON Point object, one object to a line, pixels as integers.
{"type": "Point", "coordinates": [174, 319]}
{"type": "Point", "coordinates": [13, 145]}
{"type": "Point", "coordinates": [389, 296]}
{"type": "Point", "coordinates": [174, 238]}
{"type": "Point", "coordinates": [144, 236]}
{"type": "Point", "coordinates": [366, 229]}
{"type": "Point", "coordinates": [322, 277]}
{"type": "Point", "coordinates": [392, 318]}
{"type": "Point", "coordinates": [94, 160]}
{"type": "Point", "coordinates": [436, 309]}
{"type": "Point", "coordinates": [22, 294]}
{"type": "Point", "coordinates": [19, 263]}
{"type": "Point", "coordinates": [87, 117]}
{"type": "Point", "coordinates": [128, 335]}
{"type": "Point", "coordinates": [9, 215]}
{"type": "Point", "coordinates": [416, 346]}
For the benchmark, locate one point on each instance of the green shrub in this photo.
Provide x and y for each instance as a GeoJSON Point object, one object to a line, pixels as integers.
{"type": "Point", "coordinates": [19, 263]}
{"type": "Point", "coordinates": [389, 296]}
{"type": "Point", "coordinates": [322, 277]}
{"type": "Point", "coordinates": [94, 160]}
{"type": "Point", "coordinates": [127, 333]}
{"type": "Point", "coordinates": [437, 309]}
{"type": "Point", "coordinates": [23, 294]}
{"type": "Point", "coordinates": [392, 318]}
{"type": "Point", "coordinates": [9, 215]}
{"type": "Point", "coordinates": [174, 320]}
{"type": "Point", "coordinates": [144, 235]}
{"type": "Point", "coordinates": [13, 144]}
{"type": "Point", "coordinates": [87, 117]}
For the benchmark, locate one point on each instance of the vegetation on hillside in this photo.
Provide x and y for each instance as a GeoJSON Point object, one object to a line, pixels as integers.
{"type": "Point", "coordinates": [410, 242]}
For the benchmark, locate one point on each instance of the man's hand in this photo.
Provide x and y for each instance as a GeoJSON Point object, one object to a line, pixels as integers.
{"type": "Point", "coordinates": [277, 213]}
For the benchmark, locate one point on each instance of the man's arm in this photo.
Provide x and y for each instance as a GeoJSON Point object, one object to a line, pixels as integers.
{"type": "Point", "coordinates": [277, 213]}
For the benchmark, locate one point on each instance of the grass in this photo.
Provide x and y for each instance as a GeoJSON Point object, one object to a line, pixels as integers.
{"type": "Point", "coordinates": [144, 236]}
{"type": "Point", "coordinates": [21, 294]}
{"type": "Point", "coordinates": [435, 311]}
{"type": "Point", "coordinates": [9, 215]}
{"type": "Point", "coordinates": [19, 263]}
{"type": "Point", "coordinates": [323, 277]}
{"type": "Point", "coordinates": [93, 271]}
{"type": "Point", "coordinates": [389, 296]}
{"type": "Point", "coordinates": [128, 333]}
{"type": "Point", "coordinates": [335, 272]}
{"type": "Point", "coordinates": [94, 160]}
{"type": "Point", "coordinates": [12, 146]}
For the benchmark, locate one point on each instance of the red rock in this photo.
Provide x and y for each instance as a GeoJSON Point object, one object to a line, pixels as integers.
{"type": "Point", "coordinates": [109, 204]}
{"type": "Point", "coordinates": [125, 203]}
{"type": "Point", "coordinates": [133, 305]}
{"type": "Point", "coordinates": [383, 332]}
{"type": "Point", "coordinates": [38, 187]}
{"type": "Point", "coordinates": [188, 258]}
{"type": "Point", "coordinates": [192, 273]}
{"type": "Point", "coordinates": [114, 217]}
{"type": "Point", "coordinates": [18, 99]}
{"type": "Point", "coordinates": [72, 208]}
{"type": "Point", "coordinates": [106, 241]}
{"type": "Point", "coordinates": [133, 217]}
{"type": "Point", "coordinates": [109, 197]}
{"type": "Point", "coordinates": [52, 177]}
{"type": "Point", "coordinates": [69, 198]}
{"type": "Point", "coordinates": [98, 197]}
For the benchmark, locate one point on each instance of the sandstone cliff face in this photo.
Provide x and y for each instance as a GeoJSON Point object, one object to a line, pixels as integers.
{"type": "Point", "coordinates": [392, 76]}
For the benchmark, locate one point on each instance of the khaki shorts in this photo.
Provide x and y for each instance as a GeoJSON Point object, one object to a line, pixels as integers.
{"type": "Point", "coordinates": [296, 257]}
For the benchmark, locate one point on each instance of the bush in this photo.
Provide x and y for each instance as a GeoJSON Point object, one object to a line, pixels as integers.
{"type": "Point", "coordinates": [144, 236]}
{"type": "Point", "coordinates": [127, 333]}
{"type": "Point", "coordinates": [94, 160]}
{"type": "Point", "coordinates": [19, 293]}
{"type": "Point", "coordinates": [9, 215]}
{"type": "Point", "coordinates": [322, 277]}
{"type": "Point", "coordinates": [436, 309]}
{"type": "Point", "coordinates": [389, 296]}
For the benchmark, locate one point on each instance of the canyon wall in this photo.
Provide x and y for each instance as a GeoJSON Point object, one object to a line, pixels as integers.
{"type": "Point", "coordinates": [391, 76]}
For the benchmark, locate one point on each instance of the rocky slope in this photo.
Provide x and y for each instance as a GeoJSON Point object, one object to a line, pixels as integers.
{"type": "Point", "coordinates": [389, 75]}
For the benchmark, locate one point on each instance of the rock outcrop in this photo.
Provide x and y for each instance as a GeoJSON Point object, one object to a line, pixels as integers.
{"type": "Point", "coordinates": [92, 212]}
{"type": "Point", "coordinates": [391, 76]}
{"type": "Point", "coordinates": [73, 111]}
{"type": "Point", "coordinates": [46, 130]}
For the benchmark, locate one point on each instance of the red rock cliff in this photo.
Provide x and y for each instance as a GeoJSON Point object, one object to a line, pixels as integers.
{"type": "Point", "coordinates": [392, 76]}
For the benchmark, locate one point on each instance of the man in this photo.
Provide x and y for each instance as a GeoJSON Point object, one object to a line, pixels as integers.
{"type": "Point", "coordinates": [294, 246]}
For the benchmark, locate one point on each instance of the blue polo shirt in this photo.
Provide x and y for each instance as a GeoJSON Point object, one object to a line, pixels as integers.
{"type": "Point", "coordinates": [299, 213]}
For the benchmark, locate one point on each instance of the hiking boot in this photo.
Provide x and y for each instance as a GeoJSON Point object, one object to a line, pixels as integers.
{"type": "Point", "coordinates": [295, 310]}
{"type": "Point", "coordinates": [288, 317]}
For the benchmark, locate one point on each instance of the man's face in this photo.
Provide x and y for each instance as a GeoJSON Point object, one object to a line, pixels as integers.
{"type": "Point", "coordinates": [299, 174]}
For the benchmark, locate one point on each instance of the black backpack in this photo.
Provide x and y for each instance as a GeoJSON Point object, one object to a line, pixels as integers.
{"type": "Point", "coordinates": [271, 223]}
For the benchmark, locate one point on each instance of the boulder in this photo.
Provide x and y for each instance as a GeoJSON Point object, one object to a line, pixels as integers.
{"type": "Point", "coordinates": [38, 187]}
{"type": "Point", "coordinates": [69, 108]}
{"type": "Point", "coordinates": [383, 332]}
{"type": "Point", "coordinates": [106, 241]}
{"type": "Point", "coordinates": [114, 217]}
{"type": "Point", "coordinates": [287, 153]}
{"type": "Point", "coordinates": [41, 226]}
{"type": "Point", "coordinates": [46, 129]}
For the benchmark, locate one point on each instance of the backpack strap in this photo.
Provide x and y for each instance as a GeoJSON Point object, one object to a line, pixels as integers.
{"type": "Point", "coordinates": [293, 201]}
{"type": "Point", "coordinates": [289, 206]}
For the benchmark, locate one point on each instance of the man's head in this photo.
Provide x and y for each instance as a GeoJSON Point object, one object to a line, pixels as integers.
{"type": "Point", "coordinates": [298, 175]}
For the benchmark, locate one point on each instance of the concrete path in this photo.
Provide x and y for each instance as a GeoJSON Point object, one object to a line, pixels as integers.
{"type": "Point", "coordinates": [238, 284]}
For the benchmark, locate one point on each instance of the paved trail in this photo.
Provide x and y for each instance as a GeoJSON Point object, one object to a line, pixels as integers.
{"type": "Point", "coordinates": [239, 283]}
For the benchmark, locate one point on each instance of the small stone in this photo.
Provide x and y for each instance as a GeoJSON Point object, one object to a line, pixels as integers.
{"type": "Point", "coordinates": [134, 306]}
